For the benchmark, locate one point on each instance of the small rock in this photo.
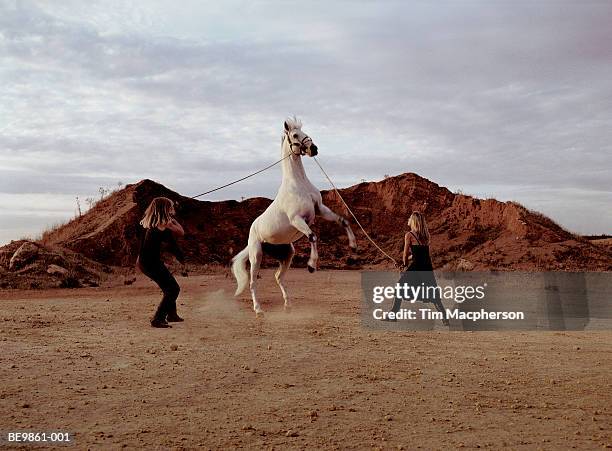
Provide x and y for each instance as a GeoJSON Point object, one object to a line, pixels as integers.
{"type": "Point", "coordinates": [291, 433]}
{"type": "Point", "coordinates": [26, 252]}
{"type": "Point", "coordinates": [464, 265]}
{"type": "Point", "coordinates": [174, 347]}
{"type": "Point", "coordinates": [56, 270]}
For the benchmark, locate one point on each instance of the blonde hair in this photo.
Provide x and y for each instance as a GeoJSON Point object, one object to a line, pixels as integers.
{"type": "Point", "coordinates": [157, 213]}
{"type": "Point", "coordinates": [418, 226]}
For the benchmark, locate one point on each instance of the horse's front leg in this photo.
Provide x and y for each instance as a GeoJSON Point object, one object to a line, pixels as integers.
{"type": "Point", "coordinates": [329, 215]}
{"type": "Point", "coordinates": [299, 223]}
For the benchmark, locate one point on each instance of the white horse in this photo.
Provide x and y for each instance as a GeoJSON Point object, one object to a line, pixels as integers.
{"type": "Point", "coordinates": [287, 219]}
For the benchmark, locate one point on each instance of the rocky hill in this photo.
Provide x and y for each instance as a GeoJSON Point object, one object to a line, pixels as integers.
{"type": "Point", "coordinates": [467, 233]}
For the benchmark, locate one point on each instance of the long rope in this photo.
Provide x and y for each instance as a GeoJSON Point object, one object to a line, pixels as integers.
{"type": "Point", "coordinates": [352, 214]}
{"type": "Point", "coordinates": [241, 179]}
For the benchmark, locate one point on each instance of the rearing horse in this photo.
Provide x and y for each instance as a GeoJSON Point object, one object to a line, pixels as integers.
{"type": "Point", "coordinates": [287, 219]}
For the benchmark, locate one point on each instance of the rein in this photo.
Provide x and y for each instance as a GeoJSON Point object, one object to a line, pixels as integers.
{"type": "Point", "coordinates": [302, 152]}
{"type": "Point", "coordinates": [291, 144]}
{"type": "Point", "coordinates": [243, 178]}
{"type": "Point", "coordinates": [353, 214]}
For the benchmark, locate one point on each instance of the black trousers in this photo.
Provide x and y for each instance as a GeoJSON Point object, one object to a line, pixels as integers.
{"type": "Point", "coordinates": [397, 305]}
{"type": "Point", "coordinates": [168, 284]}
{"type": "Point", "coordinates": [419, 278]}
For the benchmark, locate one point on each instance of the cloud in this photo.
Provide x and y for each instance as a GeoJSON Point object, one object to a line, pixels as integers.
{"type": "Point", "coordinates": [469, 94]}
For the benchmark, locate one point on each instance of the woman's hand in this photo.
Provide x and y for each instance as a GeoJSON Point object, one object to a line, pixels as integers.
{"type": "Point", "coordinates": [175, 227]}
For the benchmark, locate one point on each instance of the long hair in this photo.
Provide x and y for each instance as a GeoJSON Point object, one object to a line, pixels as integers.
{"type": "Point", "coordinates": [157, 213]}
{"type": "Point", "coordinates": [418, 226]}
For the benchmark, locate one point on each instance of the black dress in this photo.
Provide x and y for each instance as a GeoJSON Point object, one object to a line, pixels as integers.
{"type": "Point", "coordinates": [149, 254]}
{"type": "Point", "coordinates": [420, 273]}
{"type": "Point", "coordinates": [150, 263]}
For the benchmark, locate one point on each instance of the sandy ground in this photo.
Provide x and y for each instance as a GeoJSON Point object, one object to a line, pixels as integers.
{"type": "Point", "coordinates": [87, 362]}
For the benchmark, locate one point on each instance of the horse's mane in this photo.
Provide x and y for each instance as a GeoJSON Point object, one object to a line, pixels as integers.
{"type": "Point", "coordinates": [293, 123]}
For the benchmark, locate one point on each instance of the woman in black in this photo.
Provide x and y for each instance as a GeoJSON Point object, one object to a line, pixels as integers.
{"type": "Point", "coordinates": [161, 226]}
{"type": "Point", "coordinates": [420, 270]}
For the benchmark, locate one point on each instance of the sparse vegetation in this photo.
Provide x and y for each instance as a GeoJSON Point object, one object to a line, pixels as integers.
{"type": "Point", "coordinates": [104, 192]}
{"type": "Point", "coordinates": [44, 236]}
{"type": "Point", "coordinates": [543, 220]}
{"type": "Point", "coordinates": [91, 202]}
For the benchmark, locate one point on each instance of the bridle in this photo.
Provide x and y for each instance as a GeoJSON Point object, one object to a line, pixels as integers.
{"type": "Point", "coordinates": [302, 146]}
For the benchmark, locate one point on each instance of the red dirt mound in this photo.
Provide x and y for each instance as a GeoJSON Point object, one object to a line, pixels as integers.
{"type": "Point", "coordinates": [467, 233]}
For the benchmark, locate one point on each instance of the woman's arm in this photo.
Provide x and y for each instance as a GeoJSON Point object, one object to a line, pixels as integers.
{"type": "Point", "coordinates": [407, 242]}
{"type": "Point", "coordinates": [176, 250]}
{"type": "Point", "coordinates": [176, 228]}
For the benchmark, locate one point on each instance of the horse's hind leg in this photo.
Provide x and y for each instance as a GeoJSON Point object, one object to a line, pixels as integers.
{"type": "Point", "coordinates": [327, 214]}
{"type": "Point", "coordinates": [284, 265]}
{"type": "Point", "coordinates": [255, 257]}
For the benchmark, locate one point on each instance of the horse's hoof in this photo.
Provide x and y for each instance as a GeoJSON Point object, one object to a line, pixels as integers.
{"type": "Point", "coordinates": [287, 309]}
{"type": "Point", "coordinates": [310, 269]}
{"type": "Point", "coordinates": [353, 248]}
{"type": "Point", "coordinates": [259, 314]}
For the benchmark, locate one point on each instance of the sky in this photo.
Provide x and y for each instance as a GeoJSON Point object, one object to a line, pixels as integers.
{"type": "Point", "coordinates": [503, 99]}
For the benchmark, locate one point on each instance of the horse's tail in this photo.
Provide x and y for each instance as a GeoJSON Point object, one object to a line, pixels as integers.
{"type": "Point", "coordinates": [240, 271]}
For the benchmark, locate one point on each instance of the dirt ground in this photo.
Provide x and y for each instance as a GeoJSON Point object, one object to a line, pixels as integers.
{"type": "Point", "coordinates": [87, 362]}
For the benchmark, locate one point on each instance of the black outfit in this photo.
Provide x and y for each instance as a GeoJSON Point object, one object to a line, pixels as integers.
{"type": "Point", "coordinates": [420, 273]}
{"type": "Point", "coordinates": [150, 263]}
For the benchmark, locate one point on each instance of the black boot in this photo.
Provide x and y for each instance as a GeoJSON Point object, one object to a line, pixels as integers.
{"type": "Point", "coordinates": [174, 318]}
{"type": "Point", "coordinates": [160, 323]}
{"type": "Point", "coordinates": [159, 319]}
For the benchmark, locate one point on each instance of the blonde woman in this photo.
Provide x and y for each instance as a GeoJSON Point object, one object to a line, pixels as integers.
{"type": "Point", "coordinates": [161, 226]}
{"type": "Point", "coordinates": [418, 270]}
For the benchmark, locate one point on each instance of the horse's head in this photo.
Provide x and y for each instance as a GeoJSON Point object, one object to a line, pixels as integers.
{"type": "Point", "coordinates": [299, 142]}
